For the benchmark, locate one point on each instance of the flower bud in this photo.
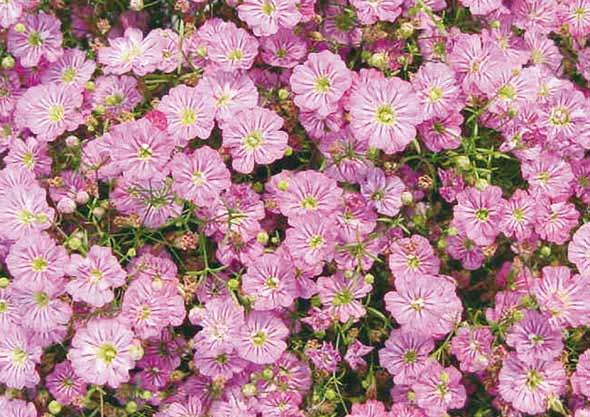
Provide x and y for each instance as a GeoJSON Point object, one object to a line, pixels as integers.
{"type": "Point", "coordinates": [136, 5]}
{"type": "Point", "coordinates": [98, 212]}
{"type": "Point", "coordinates": [72, 141]}
{"type": "Point", "coordinates": [233, 284]}
{"type": "Point", "coordinates": [283, 94]}
{"type": "Point", "coordinates": [4, 282]}
{"type": "Point", "coordinates": [262, 238]}
{"type": "Point", "coordinates": [19, 28]}
{"type": "Point", "coordinates": [131, 407]}
{"type": "Point", "coordinates": [8, 62]}
{"type": "Point", "coordinates": [82, 197]}
{"type": "Point", "coordinates": [66, 205]}
{"type": "Point", "coordinates": [54, 407]}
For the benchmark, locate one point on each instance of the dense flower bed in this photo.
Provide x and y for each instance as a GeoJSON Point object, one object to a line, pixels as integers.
{"type": "Point", "coordinates": [294, 208]}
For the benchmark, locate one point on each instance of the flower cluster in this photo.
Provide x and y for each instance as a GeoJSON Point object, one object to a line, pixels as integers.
{"type": "Point", "coordinates": [294, 208]}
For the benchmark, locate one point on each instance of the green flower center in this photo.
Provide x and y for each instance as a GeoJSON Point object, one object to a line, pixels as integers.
{"type": "Point", "coordinates": [322, 84]}
{"type": "Point", "coordinates": [259, 339]}
{"type": "Point", "coordinates": [271, 282]}
{"type": "Point", "coordinates": [559, 116]}
{"type": "Point", "coordinates": [56, 113]}
{"type": "Point", "coordinates": [41, 299]}
{"type": "Point", "coordinates": [28, 160]}
{"type": "Point", "coordinates": [507, 92]}
{"type": "Point", "coordinates": [19, 357]}
{"type": "Point", "coordinates": [343, 297]}
{"type": "Point", "coordinates": [417, 304]}
{"type": "Point", "coordinates": [309, 203]}
{"type": "Point", "coordinates": [69, 75]}
{"type": "Point", "coordinates": [482, 214]}
{"type": "Point", "coordinates": [268, 8]}
{"type": "Point", "coordinates": [113, 100]}
{"type": "Point", "coordinates": [253, 140]}
{"type": "Point", "coordinates": [3, 306]}
{"type": "Point", "coordinates": [316, 241]}
{"type": "Point", "coordinates": [281, 53]}
{"type": "Point", "coordinates": [377, 195]}
{"type": "Point", "coordinates": [39, 264]}
{"type": "Point", "coordinates": [413, 262]}
{"type": "Point", "coordinates": [410, 356]}
{"type": "Point", "coordinates": [96, 275]}
{"type": "Point", "coordinates": [187, 117]}
{"type": "Point", "coordinates": [144, 153]}
{"type": "Point", "coordinates": [35, 39]}
{"type": "Point", "coordinates": [436, 93]}
{"type": "Point", "coordinates": [533, 379]}
{"type": "Point", "coordinates": [518, 214]}
{"type": "Point", "coordinates": [235, 55]}
{"type": "Point", "coordinates": [107, 353]}
{"type": "Point", "coordinates": [198, 178]}
{"type": "Point", "coordinates": [385, 115]}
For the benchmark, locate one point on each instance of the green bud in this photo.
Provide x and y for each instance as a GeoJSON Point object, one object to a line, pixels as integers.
{"type": "Point", "coordinates": [74, 243]}
{"type": "Point", "coordinates": [90, 85]}
{"type": "Point", "coordinates": [8, 62]}
{"type": "Point", "coordinates": [462, 162]}
{"type": "Point", "coordinates": [330, 394]}
{"type": "Point", "coordinates": [267, 374]}
{"type": "Point", "coordinates": [288, 151]}
{"type": "Point", "coordinates": [249, 390]}
{"type": "Point", "coordinates": [131, 252]}
{"type": "Point", "coordinates": [481, 184]}
{"type": "Point", "coordinates": [54, 407]}
{"type": "Point", "coordinates": [233, 284]}
{"type": "Point", "coordinates": [4, 282]}
{"type": "Point", "coordinates": [283, 94]}
{"type": "Point", "coordinates": [262, 238]}
{"type": "Point", "coordinates": [369, 279]}
{"type": "Point", "coordinates": [406, 30]}
{"type": "Point", "coordinates": [146, 395]}
{"type": "Point", "coordinates": [19, 28]}
{"type": "Point", "coordinates": [545, 251]}
{"type": "Point", "coordinates": [131, 407]}
{"type": "Point", "coordinates": [407, 198]}
{"type": "Point", "coordinates": [283, 185]}
{"type": "Point", "coordinates": [98, 212]}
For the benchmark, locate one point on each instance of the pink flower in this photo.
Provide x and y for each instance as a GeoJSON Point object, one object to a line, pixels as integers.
{"type": "Point", "coordinates": [478, 213]}
{"type": "Point", "coordinates": [405, 354]}
{"type": "Point", "coordinates": [254, 137]}
{"type": "Point", "coordinates": [354, 355]}
{"type": "Point", "coordinates": [385, 112]}
{"type": "Point", "coordinates": [140, 151]}
{"type": "Point", "coordinates": [10, 12]}
{"type": "Point", "coordinates": [32, 155]}
{"type": "Point", "coordinates": [581, 378]}
{"type": "Point", "coordinates": [529, 386]}
{"type": "Point", "coordinates": [579, 249]}
{"type": "Point", "coordinates": [384, 193]}
{"type": "Point", "coordinates": [437, 89]}
{"type": "Point", "coordinates": [95, 276]}
{"type": "Point", "coordinates": [320, 82]}
{"type": "Point", "coordinates": [283, 49]}
{"type": "Point", "coordinates": [102, 352]}
{"type": "Point", "coordinates": [519, 215]}
{"type": "Point", "coordinates": [190, 408]}
{"type": "Point", "coordinates": [534, 338]}
{"type": "Point", "coordinates": [231, 93]}
{"type": "Point", "coordinates": [199, 177]}
{"type": "Point", "coordinates": [262, 338]}
{"type": "Point", "coordinates": [441, 133]}
{"type": "Point", "coordinates": [555, 221]}
{"type": "Point", "coordinates": [132, 52]}
{"type": "Point", "coordinates": [41, 37]}
{"type": "Point", "coordinates": [270, 281]}
{"type": "Point", "coordinates": [340, 296]}
{"type": "Point", "coordinates": [548, 176]}
{"type": "Point", "coordinates": [235, 50]}
{"type": "Point", "coordinates": [439, 389]}
{"type": "Point", "coordinates": [24, 210]}
{"type": "Point", "coordinates": [36, 258]}
{"type": "Point", "coordinates": [412, 257]}
{"type": "Point", "coordinates": [71, 69]}
{"type": "Point", "coordinates": [266, 17]}
{"type": "Point", "coordinates": [49, 110]}
{"type": "Point", "coordinates": [482, 7]}
{"type": "Point", "coordinates": [370, 12]}
{"type": "Point", "coordinates": [427, 303]}
{"type": "Point", "coordinates": [65, 385]}
{"type": "Point", "coordinates": [308, 192]}
{"type": "Point", "coordinates": [311, 239]}
{"type": "Point", "coordinates": [221, 320]}
{"type": "Point", "coordinates": [19, 354]}
{"type": "Point", "coordinates": [563, 296]}
{"type": "Point", "coordinates": [189, 112]}
{"type": "Point", "coordinates": [116, 94]}
{"type": "Point", "coordinates": [473, 348]}
{"type": "Point", "coordinates": [148, 307]}
{"type": "Point", "coordinates": [41, 309]}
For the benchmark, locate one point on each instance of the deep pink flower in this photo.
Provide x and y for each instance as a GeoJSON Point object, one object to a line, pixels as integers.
{"type": "Point", "coordinates": [41, 37]}
{"type": "Point", "coordinates": [262, 338]}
